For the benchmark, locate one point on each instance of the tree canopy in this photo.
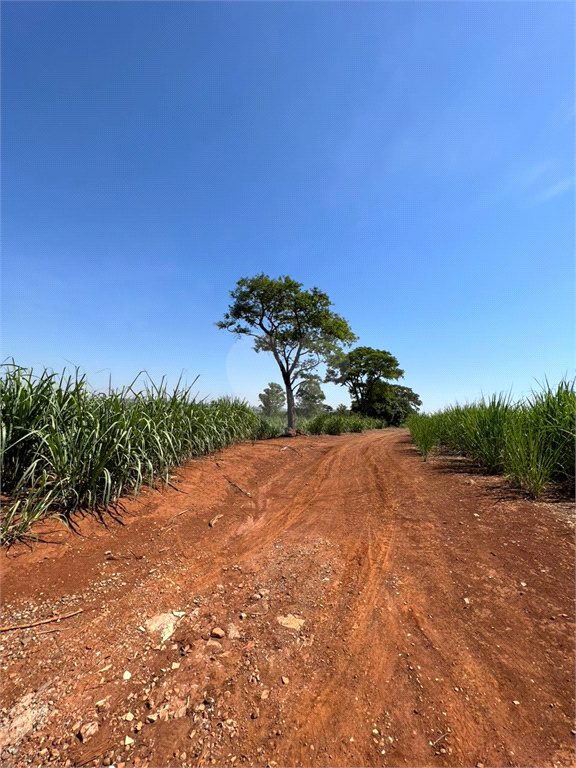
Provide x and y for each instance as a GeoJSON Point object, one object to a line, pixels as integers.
{"type": "Point", "coordinates": [272, 399]}
{"type": "Point", "coordinates": [360, 370]}
{"type": "Point", "coordinates": [309, 397]}
{"type": "Point", "coordinates": [391, 402]}
{"type": "Point", "coordinates": [297, 326]}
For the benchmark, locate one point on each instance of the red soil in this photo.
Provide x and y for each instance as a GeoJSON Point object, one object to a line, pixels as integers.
{"type": "Point", "coordinates": [437, 608]}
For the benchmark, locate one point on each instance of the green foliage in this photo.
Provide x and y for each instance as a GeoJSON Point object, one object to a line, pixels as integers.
{"type": "Point", "coordinates": [309, 397]}
{"type": "Point", "coordinates": [530, 460]}
{"type": "Point", "coordinates": [273, 399]}
{"type": "Point", "coordinates": [360, 371]}
{"type": "Point", "coordinates": [391, 402]}
{"type": "Point", "coordinates": [484, 428]}
{"type": "Point", "coordinates": [271, 426]}
{"type": "Point", "coordinates": [297, 326]}
{"type": "Point", "coordinates": [555, 411]}
{"type": "Point", "coordinates": [540, 442]}
{"type": "Point", "coordinates": [532, 442]}
{"type": "Point", "coordinates": [424, 432]}
{"type": "Point", "coordinates": [340, 422]}
{"type": "Point", "coordinates": [64, 448]}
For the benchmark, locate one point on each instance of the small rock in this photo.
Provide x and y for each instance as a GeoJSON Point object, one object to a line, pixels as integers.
{"type": "Point", "coordinates": [214, 645]}
{"type": "Point", "coordinates": [290, 621]}
{"type": "Point", "coordinates": [175, 665]}
{"type": "Point", "coordinates": [127, 675]}
{"type": "Point", "coordinates": [152, 718]}
{"type": "Point", "coordinates": [467, 601]}
{"type": "Point", "coordinates": [515, 702]}
{"type": "Point", "coordinates": [479, 765]}
{"type": "Point", "coordinates": [264, 695]}
{"type": "Point", "coordinates": [285, 680]}
{"type": "Point", "coordinates": [218, 632]}
{"type": "Point", "coordinates": [88, 730]}
{"type": "Point", "coordinates": [255, 714]}
{"type": "Point", "coordinates": [162, 625]}
{"type": "Point", "coordinates": [233, 632]}
{"type": "Point", "coordinates": [243, 615]}
{"type": "Point", "coordinates": [129, 716]}
{"type": "Point", "coordinates": [128, 741]}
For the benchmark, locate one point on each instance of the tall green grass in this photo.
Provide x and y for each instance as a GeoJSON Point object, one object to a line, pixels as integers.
{"type": "Point", "coordinates": [64, 448]}
{"type": "Point", "coordinates": [424, 431]}
{"type": "Point", "coordinates": [272, 426]}
{"type": "Point", "coordinates": [532, 441]}
{"type": "Point", "coordinates": [339, 423]}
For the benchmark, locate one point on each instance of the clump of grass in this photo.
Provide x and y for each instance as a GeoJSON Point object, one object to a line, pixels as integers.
{"type": "Point", "coordinates": [424, 432]}
{"type": "Point", "coordinates": [271, 426]}
{"type": "Point", "coordinates": [540, 441]}
{"type": "Point", "coordinates": [484, 427]}
{"type": "Point", "coordinates": [532, 442]}
{"type": "Point", "coordinates": [530, 460]}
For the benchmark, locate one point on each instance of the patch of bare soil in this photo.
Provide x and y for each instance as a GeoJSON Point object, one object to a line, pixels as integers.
{"type": "Point", "coordinates": [329, 601]}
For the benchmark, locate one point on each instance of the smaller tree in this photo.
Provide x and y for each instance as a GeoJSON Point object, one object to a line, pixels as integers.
{"type": "Point", "coordinates": [309, 397]}
{"type": "Point", "coordinates": [360, 370]}
{"type": "Point", "coordinates": [391, 402]}
{"type": "Point", "coordinates": [272, 399]}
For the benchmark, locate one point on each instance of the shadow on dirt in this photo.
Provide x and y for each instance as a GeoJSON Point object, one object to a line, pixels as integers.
{"type": "Point", "coordinates": [446, 463]}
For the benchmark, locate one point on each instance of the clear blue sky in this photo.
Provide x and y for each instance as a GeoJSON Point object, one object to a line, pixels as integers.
{"type": "Point", "coordinates": [413, 160]}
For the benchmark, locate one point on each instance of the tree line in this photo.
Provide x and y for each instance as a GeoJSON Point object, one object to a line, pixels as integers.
{"type": "Point", "coordinates": [300, 330]}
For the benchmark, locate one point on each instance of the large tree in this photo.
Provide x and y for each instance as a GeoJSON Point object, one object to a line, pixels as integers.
{"type": "Point", "coordinates": [360, 370]}
{"type": "Point", "coordinates": [297, 326]}
{"type": "Point", "coordinates": [273, 399]}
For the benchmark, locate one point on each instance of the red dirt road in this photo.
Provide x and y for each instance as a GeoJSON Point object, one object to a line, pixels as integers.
{"type": "Point", "coordinates": [377, 611]}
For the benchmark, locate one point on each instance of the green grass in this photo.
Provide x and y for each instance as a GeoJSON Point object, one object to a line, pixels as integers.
{"type": "Point", "coordinates": [424, 432]}
{"type": "Point", "coordinates": [64, 448]}
{"type": "Point", "coordinates": [339, 423]}
{"type": "Point", "coordinates": [531, 442]}
{"type": "Point", "coordinates": [271, 426]}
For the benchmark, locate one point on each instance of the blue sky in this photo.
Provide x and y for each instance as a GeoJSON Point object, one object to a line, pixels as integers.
{"type": "Point", "coordinates": [413, 160]}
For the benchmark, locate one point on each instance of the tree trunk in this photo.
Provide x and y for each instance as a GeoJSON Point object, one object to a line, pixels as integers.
{"type": "Point", "coordinates": [290, 405]}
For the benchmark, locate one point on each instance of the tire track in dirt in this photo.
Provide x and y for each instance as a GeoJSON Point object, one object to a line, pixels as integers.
{"type": "Point", "coordinates": [376, 552]}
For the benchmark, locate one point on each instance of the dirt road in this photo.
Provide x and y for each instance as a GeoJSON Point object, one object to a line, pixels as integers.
{"type": "Point", "coordinates": [375, 611]}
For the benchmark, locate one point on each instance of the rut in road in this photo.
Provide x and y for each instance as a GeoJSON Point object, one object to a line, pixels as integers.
{"type": "Point", "coordinates": [437, 619]}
